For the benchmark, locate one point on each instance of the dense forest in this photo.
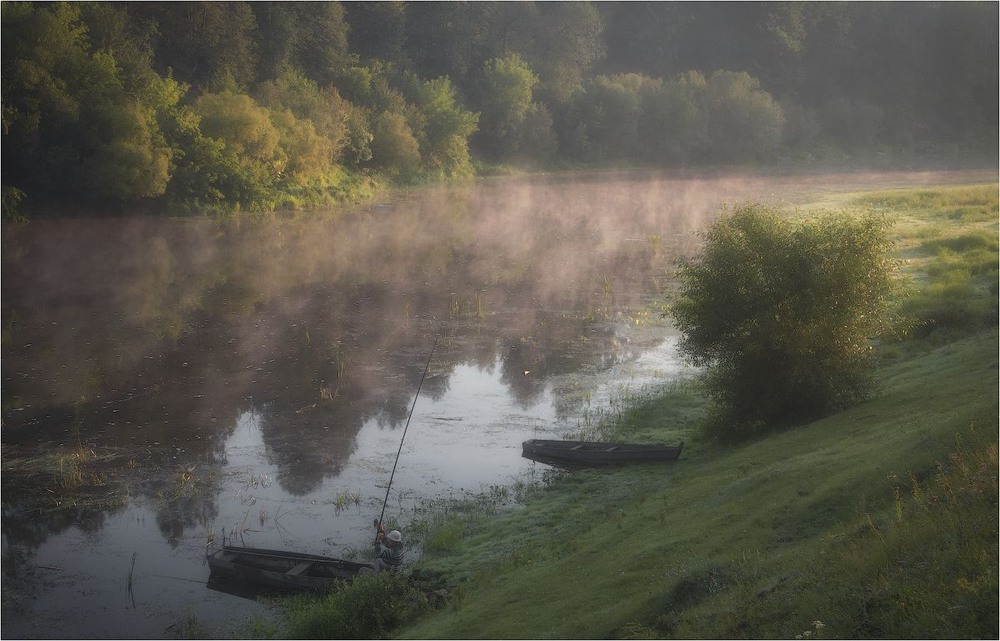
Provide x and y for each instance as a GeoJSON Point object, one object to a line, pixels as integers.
{"type": "Point", "coordinates": [262, 105]}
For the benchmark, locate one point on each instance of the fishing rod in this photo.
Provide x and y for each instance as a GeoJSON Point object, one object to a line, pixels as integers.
{"type": "Point", "coordinates": [409, 416]}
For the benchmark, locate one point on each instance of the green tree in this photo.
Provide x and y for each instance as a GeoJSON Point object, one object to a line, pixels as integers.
{"type": "Point", "coordinates": [209, 45]}
{"type": "Point", "coordinates": [674, 127]}
{"type": "Point", "coordinates": [782, 314]}
{"type": "Point", "coordinates": [310, 37]}
{"type": "Point", "coordinates": [441, 38]}
{"type": "Point", "coordinates": [204, 176]}
{"type": "Point", "coordinates": [744, 121]}
{"type": "Point", "coordinates": [133, 159]}
{"type": "Point", "coordinates": [264, 151]}
{"type": "Point", "coordinates": [394, 147]}
{"type": "Point", "coordinates": [447, 127]}
{"type": "Point", "coordinates": [613, 109]}
{"type": "Point", "coordinates": [244, 159]}
{"type": "Point", "coordinates": [568, 41]}
{"type": "Point", "coordinates": [505, 101]}
{"type": "Point", "coordinates": [328, 112]}
{"type": "Point", "coordinates": [377, 29]}
{"type": "Point", "coordinates": [74, 121]}
{"type": "Point", "coordinates": [310, 155]}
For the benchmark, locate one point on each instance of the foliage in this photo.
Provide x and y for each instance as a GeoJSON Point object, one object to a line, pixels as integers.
{"type": "Point", "coordinates": [882, 580]}
{"type": "Point", "coordinates": [782, 313]}
{"type": "Point", "coordinates": [952, 259]}
{"type": "Point", "coordinates": [760, 539]}
{"type": "Point", "coordinates": [394, 147]}
{"type": "Point", "coordinates": [309, 154]}
{"type": "Point", "coordinates": [447, 127]}
{"type": "Point", "coordinates": [568, 41]}
{"type": "Point", "coordinates": [744, 121]}
{"type": "Point", "coordinates": [72, 123]}
{"type": "Point", "coordinates": [324, 108]}
{"type": "Point", "coordinates": [609, 111]}
{"type": "Point", "coordinates": [250, 157]}
{"type": "Point", "coordinates": [97, 97]}
{"type": "Point", "coordinates": [308, 38]}
{"type": "Point", "coordinates": [367, 608]}
{"type": "Point", "coordinates": [210, 45]}
{"type": "Point", "coordinates": [505, 100]}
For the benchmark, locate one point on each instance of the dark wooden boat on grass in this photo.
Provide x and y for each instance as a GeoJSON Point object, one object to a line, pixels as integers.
{"type": "Point", "coordinates": [596, 453]}
{"type": "Point", "coordinates": [282, 570]}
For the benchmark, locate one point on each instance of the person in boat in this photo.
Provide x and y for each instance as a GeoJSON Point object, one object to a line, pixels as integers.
{"type": "Point", "coordinates": [389, 554]}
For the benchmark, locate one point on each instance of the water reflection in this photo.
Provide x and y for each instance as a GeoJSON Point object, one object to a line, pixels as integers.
{"type": "Point", "coordinates": [242, 376]}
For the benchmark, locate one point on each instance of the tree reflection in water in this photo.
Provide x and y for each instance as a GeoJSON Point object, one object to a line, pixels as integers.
{"type": "Point", "coordinates": [156, 338]}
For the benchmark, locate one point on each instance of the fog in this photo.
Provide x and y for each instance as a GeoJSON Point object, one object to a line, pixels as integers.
{"type": "Point", "coordinates": [274, 360]}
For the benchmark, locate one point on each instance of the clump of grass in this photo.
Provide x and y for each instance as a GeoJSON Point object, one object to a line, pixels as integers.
{"type": "Point", "coordinates": [345, 499]}
{"type": "Point", "coordinates": [79, 478]}
{"type": "Point", "coordinates": [979, 239]}
{"type": "Point", "coordinates": [367, 608]}
{"type": "Point", "coordinates": [461, 308]}
{"type": "Point", "coordinates": [976, 201]}
{"type": "Point", "coordinates": [446, 536]}
{"type": "Point", "coordinates": [950, 239]}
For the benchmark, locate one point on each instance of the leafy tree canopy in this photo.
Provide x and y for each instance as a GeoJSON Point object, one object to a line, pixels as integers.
{"type": "Point", "coordinates": [101, 101]}
{"type": "Point", "coordinates": [782, 314]}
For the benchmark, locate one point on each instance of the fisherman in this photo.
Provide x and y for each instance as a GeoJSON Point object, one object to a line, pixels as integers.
{"type": "Point", "coordinates": [389, 555]}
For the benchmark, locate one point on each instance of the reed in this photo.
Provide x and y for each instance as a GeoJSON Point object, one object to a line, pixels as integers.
{"type": "Point", "coordinates": [344, 499]}
{"type": "Point", "coordinates": [468, 309]}
{"type": "Point", "coordinates": [79, 478]}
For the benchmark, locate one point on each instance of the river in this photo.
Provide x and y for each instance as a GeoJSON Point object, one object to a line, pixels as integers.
{"type": "Point", "coordinates": [168, 382]}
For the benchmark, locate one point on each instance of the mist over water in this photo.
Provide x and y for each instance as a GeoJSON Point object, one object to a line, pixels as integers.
{"type": "Point", "coordinates": [254, 378]}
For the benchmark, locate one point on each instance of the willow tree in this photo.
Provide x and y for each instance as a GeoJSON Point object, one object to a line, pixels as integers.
{"type": "Point", "coordinates": [782, 314]}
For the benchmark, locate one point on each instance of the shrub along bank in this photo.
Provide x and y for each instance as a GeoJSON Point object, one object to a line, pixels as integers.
{"type": "Point", "coordinates": [877, 521]}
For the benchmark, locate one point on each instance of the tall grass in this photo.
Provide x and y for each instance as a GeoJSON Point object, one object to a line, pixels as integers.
{"type": "Point", "coordinates": [948, 239]}
{"type": "Point", "coordinates": [367, 608]}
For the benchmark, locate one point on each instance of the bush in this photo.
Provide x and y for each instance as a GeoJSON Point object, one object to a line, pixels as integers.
{"type": "Point", "coordinates": [744, 121]}
{"type": "Point", "coordinates": [781, 313]}
{"type": "Point", "coordinates": [445, 146]}
{"type": "Point", "coordinates": [368, 608]}
{"type": "Point", "coordinates": [505, 100]}
{"type": "Point", "coordinates": [394, 147]}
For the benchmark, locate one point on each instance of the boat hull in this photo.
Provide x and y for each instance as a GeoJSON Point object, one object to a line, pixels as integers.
{"type": "Point", "coordinates": [596, 453]}
{"type": "Point", "coordinates": [282, 570]}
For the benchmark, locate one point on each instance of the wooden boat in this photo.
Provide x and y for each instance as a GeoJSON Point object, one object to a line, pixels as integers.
{"type": "Point", "coordinates": [596, 453]}
{"type": "Point", "coordinates": [281, 570]}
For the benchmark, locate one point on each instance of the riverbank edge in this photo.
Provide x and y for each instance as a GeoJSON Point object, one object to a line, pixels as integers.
{"type": "Point", "coordinates": [744, 540]}
{"type": "Point", "coordinates": [354, 190]}
{"type": "Point", "coordinates": [733, 530]}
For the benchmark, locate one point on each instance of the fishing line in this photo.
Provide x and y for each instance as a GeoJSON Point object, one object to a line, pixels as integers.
{"type": "Point", "coordinates": [415, 397]}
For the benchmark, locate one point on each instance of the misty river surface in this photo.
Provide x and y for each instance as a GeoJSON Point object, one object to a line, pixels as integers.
{"type": "Point", "coordinates": [180, 379]}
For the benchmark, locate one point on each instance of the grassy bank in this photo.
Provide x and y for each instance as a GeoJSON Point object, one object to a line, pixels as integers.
{"type": "Point", "coordinates": [843, 521]}
{"type": "Point", "coordinates": [879, 521]}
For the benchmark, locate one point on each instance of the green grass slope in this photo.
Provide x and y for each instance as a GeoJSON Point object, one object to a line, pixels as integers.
{"type": "Point", "coordinates": [877, 522]}
{"type": "Point", "coordinates": [755, 540]}
{"type": "Point", "coordinates": [880, 521]}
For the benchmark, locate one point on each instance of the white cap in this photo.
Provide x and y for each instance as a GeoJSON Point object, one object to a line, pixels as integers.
{"type": "Point", "coordinates": [395, 536]}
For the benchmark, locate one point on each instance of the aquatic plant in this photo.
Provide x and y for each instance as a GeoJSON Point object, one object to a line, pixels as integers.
{"type": "Point", "coordinates": [345, 498]}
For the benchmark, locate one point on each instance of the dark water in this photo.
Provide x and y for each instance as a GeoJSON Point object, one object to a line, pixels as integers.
{"type": "Point", "coordinates": [166, 382]}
